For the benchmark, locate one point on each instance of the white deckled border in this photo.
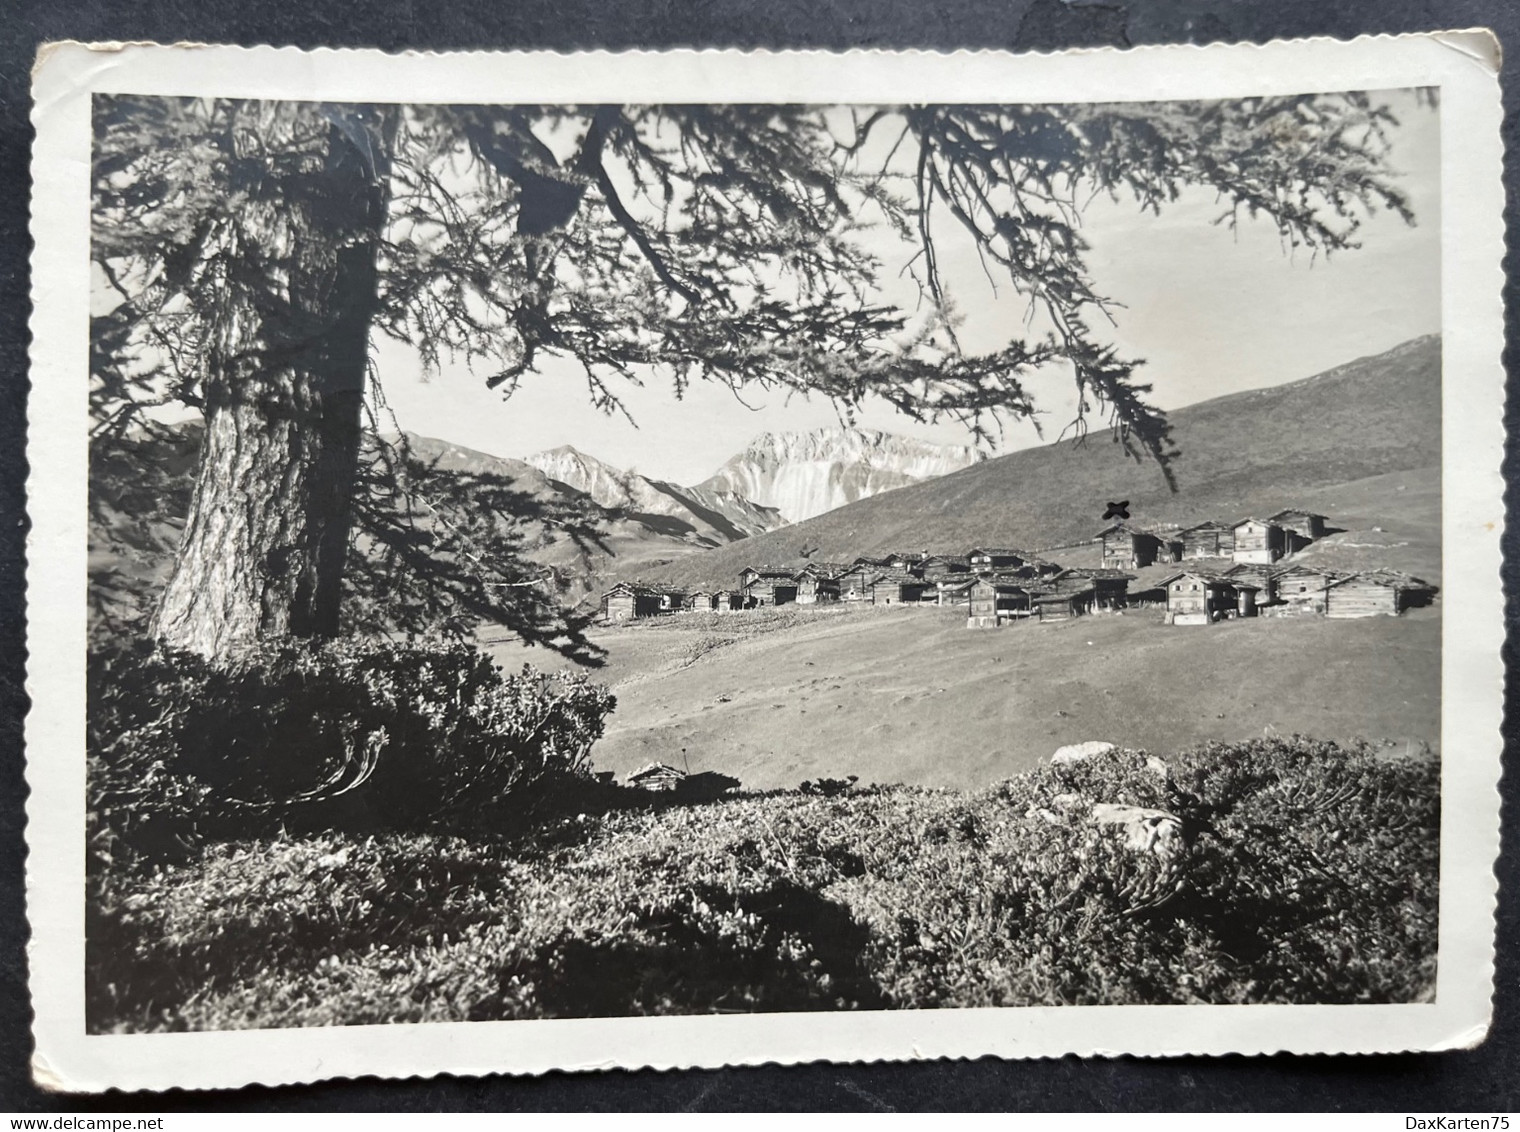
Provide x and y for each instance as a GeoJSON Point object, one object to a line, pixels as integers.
{"type": "Point", "coordinates": [1462, 64]}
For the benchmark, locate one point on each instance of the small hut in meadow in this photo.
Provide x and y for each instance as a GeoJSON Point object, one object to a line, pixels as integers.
{"type": "Point", "coordinates": [1262, 576]}
{"type": "Point", "coordinates": [983, 559]}
{"type": "Point", "coordinates": [816, 584]}
{"type": "Point", "coordinates": [1258, 540]}
{"type": "Point", "coordinates": [1375, 593]}
{"type": "Point", "coordinates": [1061, 605]}
{"type": "Point", "coordinates": [955, 590]}
{"type": "Point", "coordinates": [897, 587]}
{"type": "Point", "coordinates": [1200, 597]}
{"type": "Point", "coordinates": [1308, 525]}
{"type": "Point", "coordinates": [768, 585]}
{"type": "Point", "coordinates": [626, 601]}
{"type": "Point", "coordinates": [1109, 586]}
{"type": "Point", "coordinates": [1208, 539]}
{"type": "Point", "coordinates": [656, 776]}
{"type": "Point", "coordinates": [1127, 547]}
{"type": "Point", "coordinates": [938, 566]}
{"type": "Point", "coordinates": [993, 599]}
{"type": "Point", "coordinates": [1301, 591]}
{"type": "Point", "coordinates": [855, 583]}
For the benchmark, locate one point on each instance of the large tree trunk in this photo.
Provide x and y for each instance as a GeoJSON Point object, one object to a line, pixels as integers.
{"type": "Point", "coordinates": [264, 545]}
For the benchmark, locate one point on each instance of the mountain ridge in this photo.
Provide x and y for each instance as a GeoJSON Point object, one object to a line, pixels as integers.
{"type": "Point", "coordinates": [805, 473]}
{"type": "Point", "coordinates": [1255, 450]}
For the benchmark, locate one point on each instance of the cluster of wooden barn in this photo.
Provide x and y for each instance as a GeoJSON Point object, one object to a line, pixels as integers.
{"type": "Point", "coordinates": [997, 585]}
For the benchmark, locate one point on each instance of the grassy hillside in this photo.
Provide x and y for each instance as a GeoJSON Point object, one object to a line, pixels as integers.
{"type": "Point", "coordinates": [1249, 452]}
{"type": "Point", "coordinates": [912, 695]}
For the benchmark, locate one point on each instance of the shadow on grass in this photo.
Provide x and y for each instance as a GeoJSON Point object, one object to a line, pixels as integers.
{"type": "Point", "coordinates": [805, 955]}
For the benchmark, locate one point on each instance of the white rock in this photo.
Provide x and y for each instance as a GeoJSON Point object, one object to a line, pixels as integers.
{"type": "Point", "coordinates": [1145, 830]}
{"type": "Point", "coordinates": [1158, 768]}
{"type": "Point", "coordinates": [1080, 752]}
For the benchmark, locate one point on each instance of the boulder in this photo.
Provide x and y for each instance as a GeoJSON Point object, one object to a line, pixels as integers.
{"type": "Point", "coordinates": [1145, 830]}
{"type": "Point", "coordinates": [1079, 752]}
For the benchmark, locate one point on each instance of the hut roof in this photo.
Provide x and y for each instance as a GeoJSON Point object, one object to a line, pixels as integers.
{"type": "Point", "coordinates": [1286, 511]}
{"type": "Point", "coordinates": [655, 772]}
{"type": "Point", "coordinates": [768, 570]}
{"type": "Point", "coordinates": [1392, 579]}
{"type": "Point", "coordinates": [1253, 519]}
{"type": "Point", "coordinates": [1206, 525]}
{"type": "Point", "coordinates": [1213, 577]}
{"type": "Point", "coordinates": [1093, 574]}
{"type": "Point", "coordinates": [898, 577]}
{"type": "Point", "coordinates": [999, 551]}
{"type": "Point", "coordinates": [644, 590]}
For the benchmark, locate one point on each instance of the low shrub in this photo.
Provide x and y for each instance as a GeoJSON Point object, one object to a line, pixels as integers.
{"type": "Point", "coordinates": [1306, 872]}
{"type": "Point", "coordinates": [357, 737]}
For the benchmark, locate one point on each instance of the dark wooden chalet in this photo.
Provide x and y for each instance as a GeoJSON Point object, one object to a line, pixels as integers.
{"type": "Point", "coordinates": [1301, 591]}
{"type": "Point", "coordinates": [1109, 586]}
{"type": "Point", "coordinates": [1061, 605]}
{"type": "Point", "coordinates": [1207, 540]}
{"type": "Point", "coordinates": [906, 561]}
{"type": "Point", "coordinates": [994, 599]}
{"type": "Point", "coordinates": [941, 566]}
{"type": "Point", "coordinates": [955, 590]}
{"type": "Point", "coordinates": [816, 585]}
{"type": "Point", "coordinates": [898, 587]}
{"type": "Point", "coordinates": [628, 601]}
{"type": "Point", "coordinates": [1001, 558]}
{"type": "Point", "coordinates": [1258, 540]}
{"type": "Point", "coordinates": [726, 601]}
{"type": "Point", "coordinates": [1375, 593]}
{"type": "Point", "coordinates": [656, 776]}
{"type": "Point", "coordinates": [855, 583]}
{"type": "Point", "coordinates": [1199, 597]}
{"type": "Point", "coordinates": [1126, 547]}
{"type": "Point", "coordinates": [768, 585]}
{"type": "Point", "coordinates": [1263, 577]}
{"type": "Point", "coordinates": [1308, 525]}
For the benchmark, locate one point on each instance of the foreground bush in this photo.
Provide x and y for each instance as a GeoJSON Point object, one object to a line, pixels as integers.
{"type": "Point", "coordinates": [353, 737]}
{"type": "Point", "coordinates": [1305, 873]}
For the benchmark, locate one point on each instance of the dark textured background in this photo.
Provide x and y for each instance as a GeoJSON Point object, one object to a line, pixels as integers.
{"type": "Point", "coordinates": [1485, 1079]}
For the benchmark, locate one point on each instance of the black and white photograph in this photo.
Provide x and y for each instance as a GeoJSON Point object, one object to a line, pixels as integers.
{"type": "Point", "coordinates": [718, 557]}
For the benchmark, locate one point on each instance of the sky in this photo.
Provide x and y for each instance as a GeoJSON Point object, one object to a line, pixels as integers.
{"type": "Point", "coordinates": [1212, 311]}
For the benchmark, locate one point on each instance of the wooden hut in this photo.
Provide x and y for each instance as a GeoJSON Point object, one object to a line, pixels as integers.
{"type": "Point", "coordinates": [696, 601]}
{"type": "Point", "coordinates": [657, 776]}
{"type": "Point", "coordinates": [1261, 576]}
{"type": "Point", "coordinates": [628, 601]}
{"type": "Point", "coordinates": [1375, 593]}
{"type": "Point", "coordinates": [1127, 547]}
{"type": "Point", "coordinates": [1308, 525]}
{"type": "Point", "coordinates": [1198, 597]}
{"type": "Point", "coordinates": [995, 599]}
{"type": "Point", "coordinates": [1301, 591]}
{"type": "Point", "coordinates": [898, 587]}
{"type": "Point", "coordinates": [768, 585]}
{"type": "Point", "coordinates": [954, 590]}
{"type": "Point", "coordinates": [1061, 605]}
{"type": "Point", "coordinates": [726, 601]}
{"type": "Point", "coordinates": [1259, 541]}
{"type": "Point", "coordinates": [855, 583]}
{"type": "Point", "coordinates": [1001, 558]}
{"type": "Point", "coordinates": [941, 566]}
{"type": "Point", "coordinates": [816, 584]}
{"type": "Point", "coordinates": [1207, 540]}
{"type": "Point", "coordinates": [1109, 586]}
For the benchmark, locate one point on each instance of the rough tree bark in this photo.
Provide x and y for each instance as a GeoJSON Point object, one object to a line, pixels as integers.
{"type": "Point", "coordinates": [263, 551]}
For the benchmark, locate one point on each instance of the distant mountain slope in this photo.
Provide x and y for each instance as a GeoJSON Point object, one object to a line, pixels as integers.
{"type": "Point", "coordinates": [715, 516]}
{"type": "Point", "coordinates": [1247, 452]}
{"type": "Point", "coordinates": [803, 474]}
